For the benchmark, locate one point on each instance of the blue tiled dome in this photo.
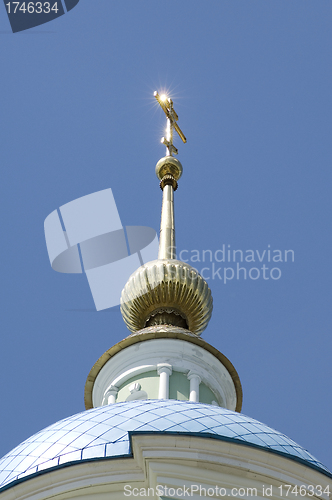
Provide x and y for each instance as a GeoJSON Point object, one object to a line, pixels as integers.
{"type": "Point", "coordinates": [105, 432]}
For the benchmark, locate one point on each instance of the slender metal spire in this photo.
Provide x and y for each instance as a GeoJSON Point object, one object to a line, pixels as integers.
{"type": "Point", "coordinates": [167, 291]}
{"type": "Point", "coordinates": [168, 170]}
{"type": "Point", "coordinates": [167, 249]}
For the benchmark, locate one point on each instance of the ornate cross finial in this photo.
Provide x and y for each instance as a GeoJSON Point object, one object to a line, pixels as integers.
{"type": "Point", "coordinates": [167, 106]}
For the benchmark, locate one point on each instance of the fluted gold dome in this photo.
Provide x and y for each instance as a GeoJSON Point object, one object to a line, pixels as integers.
{"type": "Point", "coordinates": [166, 288]}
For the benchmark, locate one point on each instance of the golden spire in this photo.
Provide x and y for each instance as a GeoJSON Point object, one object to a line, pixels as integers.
{"type": "Point", "coordinates": [169, 171]}
{"type": "Point", "coordinates": [167, 291]}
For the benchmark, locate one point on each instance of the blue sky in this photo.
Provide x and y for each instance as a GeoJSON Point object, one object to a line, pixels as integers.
{"type": "Point", "coordinates": [251, 83]}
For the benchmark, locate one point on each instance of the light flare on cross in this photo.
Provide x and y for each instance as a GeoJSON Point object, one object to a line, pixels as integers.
{"type": "Point", "coordinates": [167, 106]}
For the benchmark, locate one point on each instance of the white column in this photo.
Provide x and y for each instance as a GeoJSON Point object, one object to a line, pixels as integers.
{"type": "Point", "coordinates": [195, 380]}
{"type": "Point", "coordinates": [164, 371]}
{"type": "Point", "coordinates": [111, 394]}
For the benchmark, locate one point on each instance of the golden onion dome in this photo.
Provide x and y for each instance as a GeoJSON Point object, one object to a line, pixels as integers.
{"type": "Point", "coordinates": [166, 291]}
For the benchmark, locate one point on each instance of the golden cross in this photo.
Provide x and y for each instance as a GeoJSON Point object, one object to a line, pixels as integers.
{"type": "Point", "coordinates": [167, 106]}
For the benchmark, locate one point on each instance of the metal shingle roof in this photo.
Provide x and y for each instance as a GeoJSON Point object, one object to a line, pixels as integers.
{"type": "Point", "coordinates": [105, 432]}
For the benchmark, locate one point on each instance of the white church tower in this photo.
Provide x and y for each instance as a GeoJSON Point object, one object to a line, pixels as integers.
{"type": "Point", "coordinates": [163, 406]}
